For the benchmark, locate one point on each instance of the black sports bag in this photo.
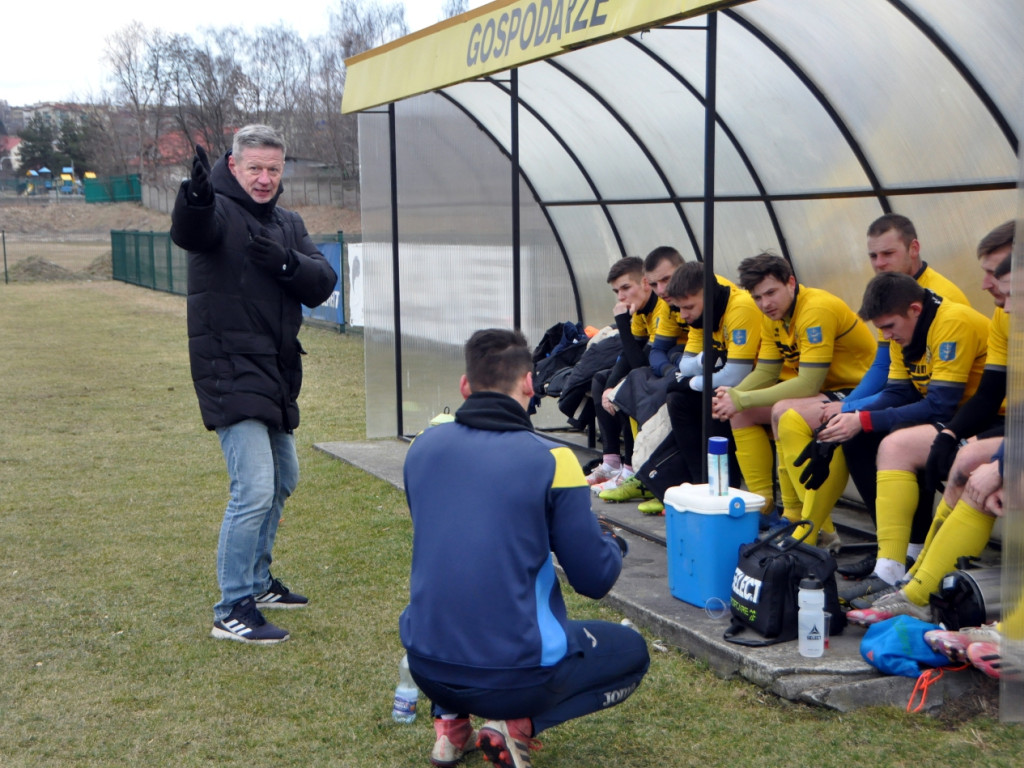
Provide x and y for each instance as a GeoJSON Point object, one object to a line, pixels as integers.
{"type": "Point", "coordinates": [765, 585]}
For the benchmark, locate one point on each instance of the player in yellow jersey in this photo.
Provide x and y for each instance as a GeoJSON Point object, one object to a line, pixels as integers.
{"type": "Point", "coordinates": [981, 415]}
{"type": "Point", "coordinates": [938, 351]}
{"type": "Point", "coordinates": [811, 342]}
{"type": "Point", "coordinates": [963, 523]}
{"type": "Point", "coordinates": [736, 337]}
{"type": "Point", "coordinates": [892, 246]}
{"type": "Point", "coordinates": [642, 392]}
{"type": "Point", "coordinates": [970, 438]}
{"type": "Point", "coordinates": [634, 300]}
{"type": "Point", "coordinates": [652, 337]}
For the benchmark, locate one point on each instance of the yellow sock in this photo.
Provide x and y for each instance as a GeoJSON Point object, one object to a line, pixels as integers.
{"type": "Point", "coordinates": [754, 454]}
{"type": "Point", "coordinates": [794, 434]}
{"type": "Point", "coordinates": [895, 504]}
{"type": "Point", "coordinates": [965, 533]}
{"type": "Point", "coordinates": [792, 493]}
{"type": "Point", "coordinates": [941, 513]}
{"type": "Point", "coordinates": [818, 504]}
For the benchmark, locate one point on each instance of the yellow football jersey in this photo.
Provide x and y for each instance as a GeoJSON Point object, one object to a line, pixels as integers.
{"type": "Point", "coordinates": [937, 284]}
{"type": "Point", "coordinates": [738, 336]}
{"type": "Point", "coordinates": [663, 321]}
{"type": "Point", "coordinates": [955, 351]}
{"type": "Point", "coordinates": [822, 332]}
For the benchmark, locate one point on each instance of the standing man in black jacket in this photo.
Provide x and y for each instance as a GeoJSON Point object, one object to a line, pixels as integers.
{"type": "Point", "coordinates": [250, 267]}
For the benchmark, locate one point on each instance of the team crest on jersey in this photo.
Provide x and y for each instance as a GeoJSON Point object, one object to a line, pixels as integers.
{"type": "Point", "coordinates": [947, 351]}
{"type": "Point", "coordinates": [814, 334]}
{"type": "Point", "coordinates": [739, 337]}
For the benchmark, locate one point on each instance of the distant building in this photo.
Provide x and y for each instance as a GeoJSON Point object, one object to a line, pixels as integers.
{"type": "Point", "coordinates": [10, 158]}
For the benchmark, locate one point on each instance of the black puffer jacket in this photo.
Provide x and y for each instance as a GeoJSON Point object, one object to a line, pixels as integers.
{"type": "Point", "coordinates": [243, 322]}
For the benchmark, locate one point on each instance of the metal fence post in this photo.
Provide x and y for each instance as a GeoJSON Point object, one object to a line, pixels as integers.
{"type": "Point", "coordinates": [341, 279]}
{"type": "Point", "coordinates": [170, 264]}
{"type": "Point", "coordinates": [3, 239]}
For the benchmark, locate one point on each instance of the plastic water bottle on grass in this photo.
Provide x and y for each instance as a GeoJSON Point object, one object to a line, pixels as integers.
{"type": "Point", "coordinates": [406, 694]}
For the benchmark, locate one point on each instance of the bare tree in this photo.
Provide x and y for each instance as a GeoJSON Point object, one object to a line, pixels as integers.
{"type": "Point", "coordinates": [275, 69]}
{"type": "Point", "coordinates": [206, 81]}
{"type": "Point", "coordinates": [453, 8]}
{"type": "Point", "coordinates": [108, 133]}
{"type": "Point", "coordinates": [138, 61]}
{"type": "Point", "coordinates": [358, 26]}
{"type": "Point", "coordinates": [205, 86]}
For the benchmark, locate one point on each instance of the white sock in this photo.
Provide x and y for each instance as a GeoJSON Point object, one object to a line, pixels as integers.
{"type": "Point", "coordinates": [889, 570]}
{"type": "Point", "coordinates": [914, 551]}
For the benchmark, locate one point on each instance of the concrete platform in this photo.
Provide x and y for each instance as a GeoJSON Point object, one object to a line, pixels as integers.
{"type": "Point", "coordinates": [839, 680]}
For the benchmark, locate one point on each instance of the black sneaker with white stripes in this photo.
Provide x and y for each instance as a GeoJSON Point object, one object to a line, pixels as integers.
{"type": "Point", "coordinates": [246, 625]}
{"type": "Point", "coordinates": [279, 596]}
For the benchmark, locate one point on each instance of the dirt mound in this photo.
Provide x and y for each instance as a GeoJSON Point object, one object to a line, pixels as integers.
{"type": "Point", "coordinates": [38, 270]}
{"type": "Point", "coordinates": [100, 269]}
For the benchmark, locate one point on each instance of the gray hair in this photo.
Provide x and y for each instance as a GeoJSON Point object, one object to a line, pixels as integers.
{"type": "Point", "coordinates": [256, 135]}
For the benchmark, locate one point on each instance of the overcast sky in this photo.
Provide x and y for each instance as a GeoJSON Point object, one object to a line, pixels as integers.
{"type": "Point", "coordinates": [53, 50]}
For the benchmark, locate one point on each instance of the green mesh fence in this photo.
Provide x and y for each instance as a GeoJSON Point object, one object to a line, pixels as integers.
{"type": "Point", "coordinates": [151, 260]}
{"type": "Point", "coordinates": [148, 259]}
{"type": "Point", "coordinates": [113, 189]}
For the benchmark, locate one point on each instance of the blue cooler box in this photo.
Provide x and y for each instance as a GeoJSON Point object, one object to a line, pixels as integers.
{"type": "Point", "coordinates": [704, 534]}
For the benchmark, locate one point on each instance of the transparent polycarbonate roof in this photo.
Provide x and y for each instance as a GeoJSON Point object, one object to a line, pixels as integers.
{"type": "Point", "coordinates": [828, 113]}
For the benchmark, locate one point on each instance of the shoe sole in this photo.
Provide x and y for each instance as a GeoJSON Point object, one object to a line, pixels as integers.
{"type": "Point", "coordinates": [496, 751]}
{"type": "Point", "coordinates": [986, 658]}
{"type": "Point", "coordinates": [868, 601]}
{"type": "Point", "coordinates": [286, 606]}
{"type": "Point", "coordinates": [954, 644]}
{"type": "Point", "coordinates": [223, 634]}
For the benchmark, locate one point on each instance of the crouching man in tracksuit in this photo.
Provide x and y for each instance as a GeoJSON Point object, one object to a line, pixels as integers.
{"type": "Point", "coordinates": [486, 628]}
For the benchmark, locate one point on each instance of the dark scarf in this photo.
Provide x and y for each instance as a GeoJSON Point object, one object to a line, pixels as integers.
{"type": "Point", "coordinates": [915, 350]}
{"type": "Point", "coordinates": [721, 300]}
{"type": "Point", "coordinates": [493, 411]}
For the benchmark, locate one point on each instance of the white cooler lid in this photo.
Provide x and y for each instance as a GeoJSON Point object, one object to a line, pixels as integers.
{"type": "Point", "coordinates": [695, 498]}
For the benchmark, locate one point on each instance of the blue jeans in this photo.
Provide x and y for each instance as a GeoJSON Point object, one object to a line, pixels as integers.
{"type": "Point", "coordinates": [263, 469]}
{"type": "Point", "coordinates": [610, 666]}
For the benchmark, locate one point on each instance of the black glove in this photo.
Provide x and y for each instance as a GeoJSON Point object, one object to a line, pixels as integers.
{"type": "Point", "coordinates": [271, 256]}
{"type": "Point", "coordinates": [817, 456]}
{"type": "Point", "coordinates": [200, 188]}
{"type": "Point", "coordinates": [940, 460]}
{"type": "Point", "coordinates": [609, 530]}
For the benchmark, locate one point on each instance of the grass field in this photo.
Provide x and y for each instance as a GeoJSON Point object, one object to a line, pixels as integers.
{"type": "Point", "coordinates": [111, 495]}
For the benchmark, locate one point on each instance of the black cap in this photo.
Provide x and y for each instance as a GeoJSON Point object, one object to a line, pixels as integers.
{"type": "Point", "coordinates": [811, 583]}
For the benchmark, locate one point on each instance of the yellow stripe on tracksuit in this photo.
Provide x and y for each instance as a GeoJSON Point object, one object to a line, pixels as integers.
{"type": "Point", "coordinates": [568, 473]}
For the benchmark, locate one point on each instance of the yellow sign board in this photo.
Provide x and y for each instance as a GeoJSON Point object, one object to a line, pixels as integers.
{"type": "Point", "coordinates": [498, 37]}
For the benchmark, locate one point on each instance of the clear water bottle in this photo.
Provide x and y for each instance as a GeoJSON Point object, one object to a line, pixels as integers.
{"type": "Point", "coordinates": [810, 619]}
{"type": "Point", "coordinates": [718, 466]}
{"type": "Point", "coordinates": [406, 694]}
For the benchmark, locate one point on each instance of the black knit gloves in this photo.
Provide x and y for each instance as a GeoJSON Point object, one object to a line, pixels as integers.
{"type": "Point", "coordinates": [271, 256]}
{"type": "Point", "coordinates": [200, 188]}
{"type": "Point", "coordinates": [817, 456]}
{"type": "Point", "coordinates": [940, 460]}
